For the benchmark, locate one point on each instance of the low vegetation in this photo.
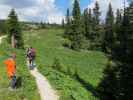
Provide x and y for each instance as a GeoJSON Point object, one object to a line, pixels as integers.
{"type": "Point", "coordinates": [26, 87]}
{"type": "Point", "coordinates": [60, 64]}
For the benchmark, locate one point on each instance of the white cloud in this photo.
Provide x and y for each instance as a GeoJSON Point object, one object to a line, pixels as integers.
{"type": "Point", "coordinates": [54, 15]}
{"type": "Point", "coordinates": [42, 10]}
{"type": "Point", "coordinates": [104, 5]}
{"type": "Point", "coordinates": [4, 10]}
{"type": "Point", "coordinates": [46, 10]}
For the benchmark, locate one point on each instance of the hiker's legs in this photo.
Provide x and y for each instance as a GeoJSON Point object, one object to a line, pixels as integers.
{"type": "Point", "coordinates": [33, 62]}
{"type": "Point", "coordinates": [30, 63]}
{"type": "Point", "coordinates": [13, 82]}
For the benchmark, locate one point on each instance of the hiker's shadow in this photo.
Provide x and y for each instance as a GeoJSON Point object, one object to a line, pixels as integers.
{"type": "Point", "coordinates": [19, 82]}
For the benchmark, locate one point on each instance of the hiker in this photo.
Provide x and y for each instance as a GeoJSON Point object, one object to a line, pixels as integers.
{"type": "Point", "coordinates": [11, 70]}
{"type": "Point", "coordinates": [28, 56]}
{"type": "Point", "coordinates": [31, 54]}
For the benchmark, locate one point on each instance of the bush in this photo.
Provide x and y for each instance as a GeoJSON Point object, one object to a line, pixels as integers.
{"type": "Point", "coordinates": [67, 43]}
{"type": "Point", "coordinates": [58, 66]}
{"type": "Point", "coordinates": [71, 71]}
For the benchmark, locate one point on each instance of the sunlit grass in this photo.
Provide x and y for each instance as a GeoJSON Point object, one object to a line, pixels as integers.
{"type": "Point", "coordinates": [49, 45]}
{"type": "Point", "coordinates": [28, 90]}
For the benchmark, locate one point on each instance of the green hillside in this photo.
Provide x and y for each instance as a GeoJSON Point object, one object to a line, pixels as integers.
{"type": "Point", "coordinates": [89, 64]}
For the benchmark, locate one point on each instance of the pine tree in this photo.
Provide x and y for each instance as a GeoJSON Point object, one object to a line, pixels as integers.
{"type": "Point", "coordinates": [118, 24]}
{"type": "Point", "coordinates": [96, 14]}
{"type": "Point", "coordinates": [117, 82]}
{"type": "Point", "coordinates": [68, 25]}
{"type": "Point", "coordinates": [77, 36]}
{"type": "Point", "coordinates": [14, 30]}
{"type": "Point", "coordinates": [126, 55]}
{"type": "Point", "coordinates": [63, 23]}
{"type": "Point", "coordinates": [90, 27]}
{"type": "Point", "coordinates": [97, 30]}
{"type": "Point", "coordinates": [88, 23]}
{"type": "Point", "coordinates": [109, 31]}
{"type": "Point", "coordinates": [118, 17]}
{"type": "Point", "coordinates": [108, 88]}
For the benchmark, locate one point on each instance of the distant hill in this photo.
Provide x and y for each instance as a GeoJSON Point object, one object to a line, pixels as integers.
{"type": "Point", "coordinates": [29, 26]}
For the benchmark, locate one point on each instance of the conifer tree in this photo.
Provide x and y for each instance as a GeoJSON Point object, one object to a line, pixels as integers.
{"type": "Point", "coordinates": [14, 30]}
{"type": "Point", "coordinates": [117, 82]}
{"type": "Point", "coordinates": [77, 31]}
{"type": "Point", "coordinates": [109, 31]}
{"type": "Point", "coordinates": [63, 23]}
{"type": "Point", "coordinates": [108, 88]}
{"type": "Point", "coordinates": [68, 25]}
{"type": "Point", "coordinates": [96, 34]}
{"type": "Point", "coordinates": [90, 26]}
{"type": "Point", "coordinates": [118, 24]}
{"type": "Point", "coordinates": [96, 14]}
{"type": "Point", "coordinates": [126, 55]}
{"type": "Point", "coordinates": [88, 23]}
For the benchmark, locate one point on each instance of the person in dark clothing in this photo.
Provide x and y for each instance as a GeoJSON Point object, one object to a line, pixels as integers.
{"type": "Point", "coordinates": [31, 54]}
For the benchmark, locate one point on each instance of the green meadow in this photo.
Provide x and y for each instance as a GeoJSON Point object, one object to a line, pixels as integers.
{"type": "Point", "coordinates": [88, 64]}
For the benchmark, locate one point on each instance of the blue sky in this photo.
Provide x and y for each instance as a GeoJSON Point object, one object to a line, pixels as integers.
{"type": "Point", "coordinates": [64, 4]}
{"type": "Point", "coordinates": [49, 10]}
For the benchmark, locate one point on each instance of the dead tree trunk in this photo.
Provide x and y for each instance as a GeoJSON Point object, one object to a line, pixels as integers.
{"type": "Point", "coordinates": [13, 44]}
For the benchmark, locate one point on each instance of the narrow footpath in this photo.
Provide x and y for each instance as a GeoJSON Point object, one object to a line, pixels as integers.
{"type": "Point", "coordinates": [45, 89]}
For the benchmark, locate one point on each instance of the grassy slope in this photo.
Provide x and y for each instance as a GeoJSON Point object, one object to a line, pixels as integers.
{"type": "Point", "coordinates": [28, 90]}
{"type": "Point", "coordinates": [49, 45]}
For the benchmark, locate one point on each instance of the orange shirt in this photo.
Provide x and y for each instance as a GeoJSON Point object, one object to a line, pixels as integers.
{"type": "Point", "coordinates": [11, 67]}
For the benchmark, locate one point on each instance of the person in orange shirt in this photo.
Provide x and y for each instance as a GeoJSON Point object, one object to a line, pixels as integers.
{"type": "Point", "coordinates": [11, 70]}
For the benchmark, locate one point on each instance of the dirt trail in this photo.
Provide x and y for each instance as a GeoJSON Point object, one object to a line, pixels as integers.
{"type": "Point", "coordinates": [1, 37]}
{"type": "Point", "coordinates": [45, 89]}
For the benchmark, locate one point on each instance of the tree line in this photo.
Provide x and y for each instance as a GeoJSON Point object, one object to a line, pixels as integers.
{"type": "Point", "coordinates": [114, 37]}
{"type": "Point", "coordinates": [118, 75]}
{"type": "Point", "coordinates": [88, 31]}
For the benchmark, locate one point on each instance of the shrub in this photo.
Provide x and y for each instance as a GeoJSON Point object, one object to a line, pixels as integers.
{"type": "Point", "coordinates": [58, 66]}
{"type": "Point", "coordinates": [67, 43]}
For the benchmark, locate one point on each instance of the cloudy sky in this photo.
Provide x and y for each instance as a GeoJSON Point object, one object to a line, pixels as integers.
{"type": "Point", "coordinates": [49, 10]}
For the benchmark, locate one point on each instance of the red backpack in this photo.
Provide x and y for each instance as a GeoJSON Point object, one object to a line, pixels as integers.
{"type": "Point", "coordinates": [33, 52]}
